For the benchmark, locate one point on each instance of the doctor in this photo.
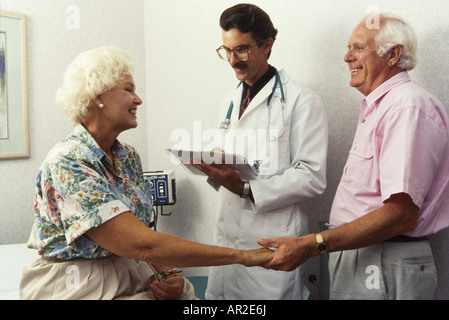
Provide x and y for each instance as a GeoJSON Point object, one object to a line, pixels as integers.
{"type": "Point", "coordinates": [281, 123]}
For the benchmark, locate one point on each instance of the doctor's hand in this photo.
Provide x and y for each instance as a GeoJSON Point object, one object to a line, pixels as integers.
{"type": "Point", "coordinates": [168, 289]}
{"type": "Point", "coordinates": [223, 175]}
{"type": "Point", "coordinates": [290, 252]}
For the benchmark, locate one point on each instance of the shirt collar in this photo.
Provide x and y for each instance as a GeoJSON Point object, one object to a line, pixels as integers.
{"type": "Point", "coordinates": [86, 138]}
{"type": "Point", "coordinates": [256, 87]}
{"type": "Point", "coordinates": [385, 87]}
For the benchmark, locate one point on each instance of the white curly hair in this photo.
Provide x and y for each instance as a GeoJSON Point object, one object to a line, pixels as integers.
{"type": "Point", "coordinates": [395, 31]}
{"type": "Point", "coordinates": [90, 74]}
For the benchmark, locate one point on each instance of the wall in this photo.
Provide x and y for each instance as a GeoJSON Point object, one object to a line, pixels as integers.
{"type": "Point", "coordinates": [52, 44]}
{"type": "Point", "coordinates": [186, 80]}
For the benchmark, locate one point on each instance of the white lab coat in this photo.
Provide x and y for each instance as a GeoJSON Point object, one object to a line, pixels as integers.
{"type": "Point", "coordinates": [277, 210]}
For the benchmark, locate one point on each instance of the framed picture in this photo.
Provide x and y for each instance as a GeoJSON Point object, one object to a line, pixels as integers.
{"type": "Point", "coordinates": [14, 131]}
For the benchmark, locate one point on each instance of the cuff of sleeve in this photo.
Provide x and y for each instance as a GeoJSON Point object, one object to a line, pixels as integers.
{"type": "Point", "coordinates": [255, 205]}
{"type": "Point", "coordinates": [105, 213]}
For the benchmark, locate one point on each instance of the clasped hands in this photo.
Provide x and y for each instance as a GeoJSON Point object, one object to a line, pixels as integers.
{"type": "Point", "coordinates": [168, 286]}
{"type": "Point", "coordinates": [289, 252]}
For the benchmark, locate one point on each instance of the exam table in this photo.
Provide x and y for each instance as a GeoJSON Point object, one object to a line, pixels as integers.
{"type": "Point", "coordinates": [13, 257]}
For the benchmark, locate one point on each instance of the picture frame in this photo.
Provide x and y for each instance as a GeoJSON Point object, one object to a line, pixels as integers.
{"type": "Point", "coordinates": [14, 127]}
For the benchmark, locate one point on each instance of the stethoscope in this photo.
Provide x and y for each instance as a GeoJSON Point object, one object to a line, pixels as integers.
{"type": "Point", "coordinates": [226, 123]}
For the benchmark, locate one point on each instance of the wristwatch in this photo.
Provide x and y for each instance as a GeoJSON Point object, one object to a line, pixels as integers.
{"type": "Point", "coordinates": [321, 246]}
{"type": "Point", "coordinates": [245, 193]}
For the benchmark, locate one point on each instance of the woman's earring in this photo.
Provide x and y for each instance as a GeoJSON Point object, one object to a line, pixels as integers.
{"type": "Point", "coordinates": [101, 106]}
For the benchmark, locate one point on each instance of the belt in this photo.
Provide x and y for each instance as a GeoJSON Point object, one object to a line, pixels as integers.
{"type": "Point", "coordinates": [404, 238]}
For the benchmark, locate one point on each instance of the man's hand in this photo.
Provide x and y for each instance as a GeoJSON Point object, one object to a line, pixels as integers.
{"type": "Point", "coordinates": [223, 175]}
{"type": "Point", "coordinates": [290, 252]}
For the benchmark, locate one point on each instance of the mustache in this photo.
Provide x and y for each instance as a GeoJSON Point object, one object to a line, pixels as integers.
{"type": "Point", "coordinates": [239, 65]}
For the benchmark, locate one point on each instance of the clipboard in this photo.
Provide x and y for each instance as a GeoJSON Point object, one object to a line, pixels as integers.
{"type": "Point", "coordinates": [238, 163]}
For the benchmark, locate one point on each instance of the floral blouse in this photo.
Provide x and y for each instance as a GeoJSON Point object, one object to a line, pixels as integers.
{"type": "Point", "coordinates": [78, 189]}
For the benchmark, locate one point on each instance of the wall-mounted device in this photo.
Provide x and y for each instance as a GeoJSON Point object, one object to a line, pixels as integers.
{"type": "Point", "coordinates": [162, 186]}
{"type": "Point", "coordinates": [163, 191]}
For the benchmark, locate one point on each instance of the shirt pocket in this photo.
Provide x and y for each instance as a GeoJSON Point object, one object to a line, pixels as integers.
{"type": "Point", "coordinates": [266, 225]}
{"type": "Point", "coordinates": [359, 165]}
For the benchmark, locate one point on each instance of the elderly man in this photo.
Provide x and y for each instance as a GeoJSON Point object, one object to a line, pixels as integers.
{"type": "Point", "coordinates": [394, 191]}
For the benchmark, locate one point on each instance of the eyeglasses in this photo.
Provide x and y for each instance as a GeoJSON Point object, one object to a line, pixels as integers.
{"type": "Point", "coordinates": [240, 53]}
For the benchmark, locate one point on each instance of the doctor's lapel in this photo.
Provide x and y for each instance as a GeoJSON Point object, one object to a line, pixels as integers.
{"type": "Point", "coordinates": [237, 101]}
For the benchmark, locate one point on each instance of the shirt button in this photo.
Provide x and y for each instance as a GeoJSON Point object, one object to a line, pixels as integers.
{"type": "Point", "coordinates": [363, 121]}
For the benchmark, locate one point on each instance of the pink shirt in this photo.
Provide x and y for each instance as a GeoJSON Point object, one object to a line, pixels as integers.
{"type": "Point", "coordinates": [401, 145]}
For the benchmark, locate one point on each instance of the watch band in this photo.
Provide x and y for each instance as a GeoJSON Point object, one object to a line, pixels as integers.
{"type": "Point", "coordinates": [321, 246]}
{"type": "Point", "coordinates": [245, 193]}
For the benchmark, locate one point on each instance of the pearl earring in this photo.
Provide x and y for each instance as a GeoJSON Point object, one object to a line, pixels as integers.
{"type": "Point", "coordinates": [101, 106]}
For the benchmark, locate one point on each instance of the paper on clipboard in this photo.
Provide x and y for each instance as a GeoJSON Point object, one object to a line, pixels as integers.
{"type": "Point", "coordinates": [240, 164]}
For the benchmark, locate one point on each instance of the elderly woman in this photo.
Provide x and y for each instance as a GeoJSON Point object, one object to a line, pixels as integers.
{"type": "Point", "coordinates": [92, 208]}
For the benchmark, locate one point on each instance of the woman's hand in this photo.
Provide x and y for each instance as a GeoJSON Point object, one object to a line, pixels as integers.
{"type": "Point", "coordinates": [169, 289]}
